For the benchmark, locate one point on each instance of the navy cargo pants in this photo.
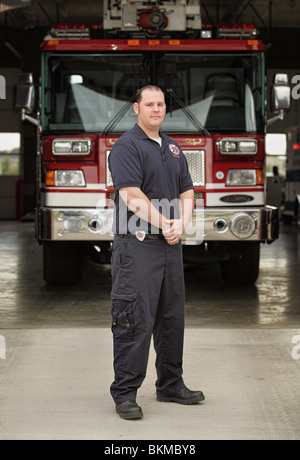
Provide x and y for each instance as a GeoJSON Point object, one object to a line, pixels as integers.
{"type": "Point", "coordinates": [147, 298]}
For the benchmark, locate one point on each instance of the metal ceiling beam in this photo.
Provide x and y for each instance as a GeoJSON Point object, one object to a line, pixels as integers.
{"type": "Point", "coordinates": [210, 20]}
{"type": "Point", "coordinates": [236, 11]}
{"type": "Point", "coordinates": [12, 18]}
{"type": "Point", "coordinates": [257, 14]}
{"type": "Point", "coordinates": [57, 11]}
{"type": "Point", "coordinates": [45, 12]}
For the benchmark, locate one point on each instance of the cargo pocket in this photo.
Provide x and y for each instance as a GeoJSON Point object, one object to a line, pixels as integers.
{"type": "Point", "coordinates": [124, 314]}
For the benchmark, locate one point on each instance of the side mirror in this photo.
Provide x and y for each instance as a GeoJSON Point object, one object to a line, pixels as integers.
{"type": "Point", "coordinates": [25, 96]}
{"type": "Point", "coordinates": [280, 94]}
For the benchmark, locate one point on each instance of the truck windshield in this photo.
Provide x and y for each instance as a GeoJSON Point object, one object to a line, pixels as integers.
{"type": "Point", "coordinates": [86, 92]}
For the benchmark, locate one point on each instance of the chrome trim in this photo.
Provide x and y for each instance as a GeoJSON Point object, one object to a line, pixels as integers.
{"type": "Point", "coordinates": [74, 224]}
{"type": "Point", "coordinates": [109, 181]}
{"type": "Point", "coordinates": [237, 140]}
{"type": "Point", "coordinates": [72, 139]}
{"type": "Point", "coordinates": [196, 163]}
{"type": "Point", "coordinates": [83, 224]}
{"type": "Point", "coordinates": [266, 220]}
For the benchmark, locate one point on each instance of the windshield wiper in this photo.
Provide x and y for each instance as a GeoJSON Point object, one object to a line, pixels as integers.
{"type": "Point", "coordinates": [119, 115]}
{"type": "Point", "coordinates": [188, 113]}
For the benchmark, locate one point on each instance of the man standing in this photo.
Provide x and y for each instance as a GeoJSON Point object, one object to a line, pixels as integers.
{"type": "Point", "coordinates": [154, 202]}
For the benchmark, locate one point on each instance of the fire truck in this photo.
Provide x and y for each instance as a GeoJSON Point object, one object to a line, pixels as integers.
{"type": "Point", "coordinates": [216, 92]}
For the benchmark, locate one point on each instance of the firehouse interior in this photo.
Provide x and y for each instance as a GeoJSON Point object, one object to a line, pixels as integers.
{"type": "Point", "coordinates": [230, 71]}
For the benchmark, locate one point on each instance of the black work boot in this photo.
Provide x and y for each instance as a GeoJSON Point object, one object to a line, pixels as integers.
{"type": "Point", "coordinates": [129, 410]}
{"type": "Point", "coordinates": [184, 396]}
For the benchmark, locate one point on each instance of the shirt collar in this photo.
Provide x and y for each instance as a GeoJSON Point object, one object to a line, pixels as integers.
{"type": "Point", "coordinates": [140, 134]}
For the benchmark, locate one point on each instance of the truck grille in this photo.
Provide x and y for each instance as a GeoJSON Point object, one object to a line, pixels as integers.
{"type": "Point", "coordinates": [196, 162]}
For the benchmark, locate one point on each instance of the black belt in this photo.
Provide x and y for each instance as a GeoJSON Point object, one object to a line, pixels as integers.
{"type": "Point", "coordinates": [148, 236]}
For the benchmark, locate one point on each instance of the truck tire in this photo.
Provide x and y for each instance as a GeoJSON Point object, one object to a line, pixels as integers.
{"type": "Point", "coordinates": [243, 268]}
{"type": "Point", "coordinates": [62, 263]}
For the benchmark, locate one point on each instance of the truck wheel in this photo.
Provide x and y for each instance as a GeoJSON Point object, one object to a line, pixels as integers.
{"type": "Point", "coordinates": [243, 268]}
{"type": "Point", "coordinates": [62, 263]}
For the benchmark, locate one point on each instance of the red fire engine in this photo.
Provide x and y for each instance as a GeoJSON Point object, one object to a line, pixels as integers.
{"type": "Point", "coordinates": [216, 111]}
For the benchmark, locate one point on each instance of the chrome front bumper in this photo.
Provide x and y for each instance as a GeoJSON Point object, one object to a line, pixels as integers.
{"type": "Point", "coordinates": [74, 224]}
{"type": "Point", "coordinates": [215, 224]}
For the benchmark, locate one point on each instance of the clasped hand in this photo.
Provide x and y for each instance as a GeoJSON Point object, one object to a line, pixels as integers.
{"type": "Point", "coordinates": [173, 230]}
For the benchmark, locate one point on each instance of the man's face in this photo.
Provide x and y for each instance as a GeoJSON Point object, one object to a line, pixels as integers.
{"type": "Point", "coordinates": [151, 111]}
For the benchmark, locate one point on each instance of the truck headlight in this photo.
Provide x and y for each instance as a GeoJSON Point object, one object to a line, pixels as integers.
{"type": "Point", "coordinates": [241, 177]}
{"type": "Point", "coordinates": [71, 147]}
{"type": "Point", "coordinates": [65, 178]}
{"type": "Point", "coordinates": [238, 146]}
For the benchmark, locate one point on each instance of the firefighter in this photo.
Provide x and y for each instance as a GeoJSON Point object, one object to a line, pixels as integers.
{"type": "Point", "coordinates": [154, 201]}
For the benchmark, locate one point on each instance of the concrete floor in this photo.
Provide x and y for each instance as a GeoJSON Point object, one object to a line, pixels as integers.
{"type": "Point", "coordinates": [54, 382]}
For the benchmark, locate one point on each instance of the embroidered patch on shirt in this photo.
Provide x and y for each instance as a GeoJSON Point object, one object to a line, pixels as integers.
{"type": "Point", "coordinates": [175, 150]}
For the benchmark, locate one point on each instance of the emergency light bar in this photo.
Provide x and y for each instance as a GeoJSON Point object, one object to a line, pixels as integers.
{"type": "Point", "coordinates": [246, 31]}
{"type": "Point", "coordinates": [70, 31]}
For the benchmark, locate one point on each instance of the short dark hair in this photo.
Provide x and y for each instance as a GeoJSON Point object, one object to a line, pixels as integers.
{"type": "Point", "coordinates": [139, 93]}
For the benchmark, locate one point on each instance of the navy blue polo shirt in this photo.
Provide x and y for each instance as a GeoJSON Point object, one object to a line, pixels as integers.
{"type": "Point", "coordinates": [161, 172]}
